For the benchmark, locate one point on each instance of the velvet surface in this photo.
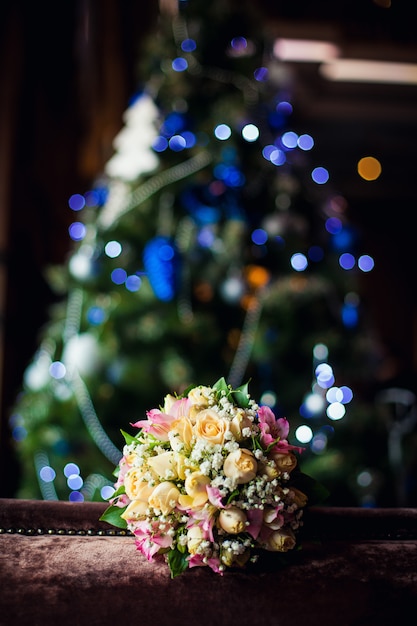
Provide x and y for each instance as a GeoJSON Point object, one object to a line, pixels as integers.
{"type": "Point", "coordinates": [59, 565]}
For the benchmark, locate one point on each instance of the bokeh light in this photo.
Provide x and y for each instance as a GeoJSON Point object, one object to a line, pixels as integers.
{"type": "Point", "coordinates": [305, 142]}
{"type": "Point", "coordinates": [366, 263]}
{"type": "Point", "coordinates": [320, 175]}
{"type": "Point", "coordinates": [347, 261]}
{"type": "Point", "coordinates": [57, 370]}
{"type": "Point", "coordinates": [299, 262]}
{"type": "Point", "coordinates": [369, 168]}
{"type": "Point", "coordinates": [250, 132]}
{"type": "Point", "coordinates": [113, 249]}
{"type": "Point", "coordinates": [222, 132]}
{"type": "Point", "coordinates": [304, 434]}
{"type": "Point", "coordinates": [289, 139]}
{"type": "Point", "coordinates": [179, 64]}
{"type": "Point", "coordinates": [76, 202]}
{"type": "Point", "coordinates": [77, 231]}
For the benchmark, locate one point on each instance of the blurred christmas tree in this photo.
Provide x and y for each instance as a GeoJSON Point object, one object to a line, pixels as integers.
{"type": "Point", "coordinates": [209, 247]}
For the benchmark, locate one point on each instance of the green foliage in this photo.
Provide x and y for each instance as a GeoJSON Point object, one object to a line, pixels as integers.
{"type": "Point", "coordinates": [177, 562]}
{"type": "Point", "coordinates": [112, 516]}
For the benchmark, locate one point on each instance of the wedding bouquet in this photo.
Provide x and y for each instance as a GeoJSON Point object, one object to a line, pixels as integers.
{"type": "Point", "coordinates": [208, 481]}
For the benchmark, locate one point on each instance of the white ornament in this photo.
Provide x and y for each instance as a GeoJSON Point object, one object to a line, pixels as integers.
{"type": "Point", "coordinates": [82, 353]}
{"type": "Point", "coordinates": [134, 155]}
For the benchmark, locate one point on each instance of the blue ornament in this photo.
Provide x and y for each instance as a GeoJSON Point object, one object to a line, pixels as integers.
{"type": "Point", "coordinates": [161, 261]}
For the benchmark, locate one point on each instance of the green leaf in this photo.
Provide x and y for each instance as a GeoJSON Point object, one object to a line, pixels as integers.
{"type": "Point", "coordinates": [128, 438]}
{"type": "Point", "coordinates": [232, 496]}
{"type": "Point", "coordinates": [119, 492]}
{"type": "Point", "coordinates": [241, 395]}
{"type": "Point", "coordinates": [187, 391]}
{"type": "Point", "coordinates": [221, 385]}
{"type": "Point", "coordinates": [177, 562]}
{"type": "Point", "coordinates": [112, 516]}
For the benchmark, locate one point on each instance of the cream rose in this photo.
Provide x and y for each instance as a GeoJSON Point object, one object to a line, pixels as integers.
{"type": "Point", "coordinates": [272, 519]}
{"type": "Point", "coordinates": [239, 422]}
{"type": "Point", "coordinates": [297, 497]}
{"type": "Point", "coordinates": [196, 487]}
{"type": "Point", "coordinates": [135, 511]}
{"type": "Point", "coordinates": [199, 401]}
{"type": "Point", "coordinates": [164, 497]}
{"type": "Point", "coordinates": [268, 469]}
{"type": "Point", "coordinates": [231, 559]}
{"type": "Point", "coordinates": [135, 484]}
{"type": "Point", "coordinates": [168, 465]}
{"type": "Point", "coordinates": [280, 541]}
{"type": "Point", "coordinates": [284, 462]}
{"type": "Point", "coordinates": [183, 429]}
{"type": "Point", "coordinates": [169, 401]}
{"type": "Point", "coordinates": [232, 520]}
{"type": "Point", "coordinates": [194, 538]}
{"type": "Point", "coordinates": [211, 427]}
{"type": "Point", "coordinates": [241, 466]}
{"type": "Point", "coordinates": [199, 395]}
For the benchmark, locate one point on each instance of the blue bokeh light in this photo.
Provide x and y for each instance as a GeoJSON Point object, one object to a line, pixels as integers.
{"type": "Point", "coordinates": [160, 144]}
{"type": "Point", "coordinates": [299, 262]}
{"type": "Point", "coordinates": [76, 202]}
{"type": "Point", "coordinates": [113, 249]}
{"type": "Point", "coordinates": [366, 263]}
{"type": "Point", "coordinates": [259, 236]}
{"type": "Point", "coordinates": [222, 132]}
{"type": "Point", "coordinates": [320, 175]}
{"type": "Point", "coordinates": [57, 370]}
{"type": "Point", "coordinates": [261, 74]}
{"type": "Point", "coordinates": [71, 468]}
{"type": "Point", "coordinates": [179, 64]}
{"type": "Point", "coordinates": [77, 231]}
{"type": "Point", "coordinates": [118, 276]}
{"type": "Point", "coordinates": [96, 315]}
{"type": "Point", "coordinates": [188, 45]}
{"type": "Point", "coordinates": [347, 261]}
{"type": "Point", "coordinates": [133, 283]}
{"type": "Point", "coordinates": [289, 139]}
{"type": "Point", "coordinates": [333, 225]}
{"type": "Point", "coordinates": [305, 142]}
{"type": "Point", "coordinates": [47, 474]}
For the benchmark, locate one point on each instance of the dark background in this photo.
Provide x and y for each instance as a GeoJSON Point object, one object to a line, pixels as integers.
{"type": "Point", "coordinates": [67, 71]}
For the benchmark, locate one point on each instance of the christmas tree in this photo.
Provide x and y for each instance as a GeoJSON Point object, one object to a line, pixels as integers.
{"type": "Point", "coordinates": [209, 247]}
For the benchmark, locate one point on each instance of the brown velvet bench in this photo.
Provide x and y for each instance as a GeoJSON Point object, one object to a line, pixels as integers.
{"type": "Point", "coordinates": [60, 565]}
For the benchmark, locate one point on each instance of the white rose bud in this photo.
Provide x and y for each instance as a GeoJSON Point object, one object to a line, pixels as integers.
{"type": "Point", "coordinates": [297, 497]}
{"type": "Point", "coordinates": [194, 538]}
{"type": "Point", "coordinates": [164, 465]}
{"type": "Point", "coordinates": [280, 541]}
{"type": "Point", "coordinates": [164, 497]}
{"type": "Point", "coordinates": [284, 462]}
{"type": "Point", "coordinates": [135, 511]}
{"type": "Point", "coordinates": [272, 519]}
{"type": "Point", "coordinates": [230, 559]}
{"type": "Point", "coordinates": [232, 520]}
{"type": "Point", "coordinates": [199, 395]}
{"type": "Point", "coordinates": [268, 469]}
{"type": "Point", "coordinates": [241, 466]}
{"type": "Point", "coordinates": [239, 423]}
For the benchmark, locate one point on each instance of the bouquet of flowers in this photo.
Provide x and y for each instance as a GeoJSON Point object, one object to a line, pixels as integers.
{"type": "Point", "coordinates": [207, 481]}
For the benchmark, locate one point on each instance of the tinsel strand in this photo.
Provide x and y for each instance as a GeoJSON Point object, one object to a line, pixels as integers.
{"type": "Point", "coordinates": [93, 424]}
{"type": "Point", "coordinates": [247, 339]}
{"type": "Point", "coordinates": [47, 488]}
{"type": "Point", "coordinates": [73, 317]}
